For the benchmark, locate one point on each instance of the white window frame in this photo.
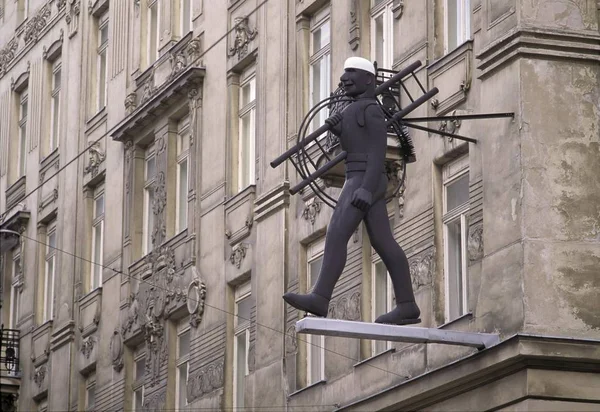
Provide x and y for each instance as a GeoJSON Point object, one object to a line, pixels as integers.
{"type": "Point", "coordinates": [315, 345]}
{"type": "Point", "coordinates": [321, 18]}
{"type": "Point", "coordinates": [185, 6]}
{"type": "Point", "coordinates": [102, 62]}
{"type": "Point", "coordinates": [138, 381]}
{"type": "Point", "coordinates": [374, 297]}
{"type": "Point", "coordinates": [182, 360]}
{"type": "Point", "coordinates": [90, 385]}
{"type": "Point", "coordinates": [451, 173]}
{"type": "Point", "coordinates": [23, 116]}
{"type": "Point", "coordinates": [49, 272]}
{"type": "Point", "coordinates": [55, 105]}
{"type": "Point", "coordinates": [183, 157]}
{"type": "Point", "coordinates": [24, 4]}
{"type": "Point", "coordinates": [152, 42]}
{"type": "Point", "coordinates": [148, 217]}
{"type": "Point", "coordinates": [384, 9]}
{"type": "Point", "coordinates": [241, 329]}
{"type": "Point", "coordinates": [463, 23]}
{"type": "Point", "coordinates": [97, 225]}
{"type": "Point", "coordinates": [247, 176]}
{"type": "Point", "coordinates": [15, 290]}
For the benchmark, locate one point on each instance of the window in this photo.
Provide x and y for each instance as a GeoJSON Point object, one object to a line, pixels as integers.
{"type": "Point", "coordinates": [241, 342]}
{"type": "Point", "coordinates": [315, 344]}
{"type": "Point", "coordinates": [101, 61]}
{"type": "Point", "coordinates": [22, 155]}
{"type": "Point", "coordinates": [23, 9]}
{"type": "Point", "coordinates": [458, 23]}
{"type": "Point", "coordinates": [152, 32]}
{"type": "Point", "coordinates": [55, 106]}
{"type": "Point", "coordinates": [246, 144]}
{"type": "Point", "coordinates": [97, 238]}
{"type": "Point", "coordinates": [90, 393]}
{"type": "Point", "coordinates": [49, 272]}
{"type": "Point", "coordinates": [186, 16]}
{"type": "Point", "coordinates": [382, 33]}
{"type": "Point", "coordinates": [15, 291]}
{"type": "Point", "coordinates": [183, 151]}
{"type": "Point", "coordinates": [320, 63]}
{"type": "Point", "coordinates": [456, 207]}
{"type": "Point", "coordinates": [139, 370]}
{"type": "Point", "coordinates": [149, 178]}
{"type": "Point", "coordinates": [382, 301]}
{"type": "Point", "coordinates": [183, 360]}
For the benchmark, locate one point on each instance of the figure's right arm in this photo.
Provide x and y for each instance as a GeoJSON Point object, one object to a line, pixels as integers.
{"type": "Point", "coordinates": [335, 124]}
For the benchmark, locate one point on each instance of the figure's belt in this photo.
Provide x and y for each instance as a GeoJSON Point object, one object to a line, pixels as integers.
{"type": "Point", "coordinates": [357, 162]}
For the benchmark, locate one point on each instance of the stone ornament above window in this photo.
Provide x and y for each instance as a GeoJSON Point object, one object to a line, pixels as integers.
{"type": "Point", "coordinates": [243, 36]}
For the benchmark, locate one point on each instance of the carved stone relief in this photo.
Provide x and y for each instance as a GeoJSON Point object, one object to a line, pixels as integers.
{"type": "Point", "coordinates": [312, 210]}
{"type": "Point", "coordinates": [116, 351]}
{"type": "Point", "coordinates": [196, 295]}
{"type": "Point", "coordinates": [238, 253]}
{"type": "Point", "coordinates": [96, 157]}
{"type": "Point", "coordinates": [156, 401]}
{"type": "Point", "coordinates": [36, 24]}
{"type": "Point", "coordinates": [7, 54]}
{"type": "Point", "coordinates": [354, 32]}
{"type": "Point", "coordinates": [398, 8]}
{"type": "Point", "coordinates": [40, 375]}
{"type": "Point", "coordinates": [345, 307]}
{"type": "Point", "coordinates": [60, 4]}
{"type": "Point", "coordinates": [243, 36]}
{"type": "Point", "coordinates": [195, 101]}
{"type": "Point", "coordinates": [194, 49]}
{"type": "Point", "coordinates": [205, 380]}
{"type": "Point", "coordinates": [147, 90]}
{"type": "Point", "coordinates": [178, 62]}
{"type": "Point", "coordinates": [450, 126]}
{"type": "Point", "coordinates": [87, 346]}
{"type": "Point", "coordinates": [291, 344]}
{"type": "Point", "coordinates": [130, 104]}
{"type": "Point", "coordinates": [421, 268]}
{"type": "Point", "coordinates": [475, 242]}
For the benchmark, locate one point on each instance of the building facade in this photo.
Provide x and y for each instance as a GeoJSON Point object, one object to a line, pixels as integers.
{"type": "Point", "coordinates": [146, 241]}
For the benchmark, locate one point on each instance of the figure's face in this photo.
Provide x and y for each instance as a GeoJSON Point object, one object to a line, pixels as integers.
{"type": "Point", "coordinates": [355, 81]}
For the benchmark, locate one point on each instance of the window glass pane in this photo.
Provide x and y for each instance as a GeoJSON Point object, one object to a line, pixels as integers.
{"type": "Point", "coordinates": [139, 399]}
{"type": "Point", "coordinates": [379, 40]}
{"type": "Point", "coordinates": [321, 37]}
{"type": "Point", "coordinates": [455, 268]}
{"type": "Point", "coordinates": [240, 369]}
{"type": "Point", "coordinates": [97, 267]}
{"type": "Point", "coordinates": [153, 30]}
{"type": "Point", "coordinates": [246, 94]}
{"type": "Point", "coordinates": [55, 118]}
{"type": "Point", "coordinates": [314, 268]}
{"type": "Point", "coordinates": [150, 167]}
{"type": "Point", "coordinates": [183, 191]}
{"type": "Point", "coordinates": [104, 34]}
{"type": "Point", "coordinates": [24, 108]}
{"type": "Point", "coordinates": [184, 343]}
{"type": "Point", "coordinates": [186, 16]}
{"type": "Point", "coordinates": [452, 28]}
{"type": "Point", "coordinates": [315, 358]}
{"type": "Point", "coordinates": [457, 192]}
{"type": "Point", "coordinates": [16, 267]}
{"type": "Point", "coordinates": [99, 206]}
{"type": "Point", "coordinates": [51, 241]}
{"type": "Point", "coordinates": [183, 372]}
{"type": "Point", "coordinates": [90, 397]}
{"type": "Point", "coordinates": [57, 79]}
{"type": "Point", "coordinates": [244, 307]}
{"type": "Point", "coordinates": [183, 143]}
{"type": "Point", "coordinates": [23, 149]}
{"type": "Point", "coordinates": [140, 368]}
{"type": "Point", "coordinates": [102, 81]}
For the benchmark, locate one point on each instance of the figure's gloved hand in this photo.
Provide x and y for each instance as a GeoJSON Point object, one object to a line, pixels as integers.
{"type": "Point", "coordinates": [333, 120]}
{"type": "Point", "coordinates": [362, 199]}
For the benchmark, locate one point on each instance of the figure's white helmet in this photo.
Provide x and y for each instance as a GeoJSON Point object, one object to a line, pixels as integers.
{"type": "Point", "coordinates": [359, 63]}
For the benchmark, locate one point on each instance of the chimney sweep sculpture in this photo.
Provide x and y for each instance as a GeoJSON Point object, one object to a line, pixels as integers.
{"type": "Point", "coordinates": [361, 123]}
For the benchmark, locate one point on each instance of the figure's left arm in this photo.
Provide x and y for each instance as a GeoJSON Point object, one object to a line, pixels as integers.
{"type": "Point", "coordinates": [377, 144]}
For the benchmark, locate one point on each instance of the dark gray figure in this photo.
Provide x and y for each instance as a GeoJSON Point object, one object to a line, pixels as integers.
{"type": "Point", "coordinates": [363, 135]}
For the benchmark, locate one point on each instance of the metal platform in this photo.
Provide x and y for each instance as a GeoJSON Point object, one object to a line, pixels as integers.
{"type": "Point", "coordinates": [412, 334]}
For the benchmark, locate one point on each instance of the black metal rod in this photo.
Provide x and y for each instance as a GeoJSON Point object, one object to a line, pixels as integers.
{"type": "Point", "coordinates": [419, 83]}
{"type": "Point", "coordinates": [297, 147]}
{"type": "Point", "coordinates": [397, 77]}
{"type": "Point", "coordinates": [440, 132]}
{"type": "Point", "coordinates": [408, 109]}
{"type": "Point", "coordinates": [459, 117]}
{"type": "Point", "coordinates": [318, 173]}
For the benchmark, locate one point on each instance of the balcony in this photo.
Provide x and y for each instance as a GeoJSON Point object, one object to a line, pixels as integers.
{"type": "Point", "coordinates": [10, 373]}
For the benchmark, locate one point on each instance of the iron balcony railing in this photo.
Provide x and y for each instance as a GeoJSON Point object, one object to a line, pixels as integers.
{"type": "Point", "coordinates": [9, 353]}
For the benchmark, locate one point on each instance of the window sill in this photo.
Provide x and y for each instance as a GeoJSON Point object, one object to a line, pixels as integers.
{"type": "Point", "coordinates": [312, 385]}
{"type": "Point", "coordinates": [379, 355]}
{"type": "Point", "coordinates": [468, 315]}
{"type": "Point", "coordinates": [95, 120]}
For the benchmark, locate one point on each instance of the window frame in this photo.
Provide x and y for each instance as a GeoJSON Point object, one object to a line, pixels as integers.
{"type": "Point", "coordinates": [148, 198]}
{"type": "Point", "coordinates": [90, 385]}
{"type": "Point", "coordinates": [23, 118]}
{"type": "Point", "coordinates": [241, 327]}
{"type": "Point", "coordinates": [97, 222]}
{"type": "Point", "coordinates": [49, 281]}
{"type": "Point", "coordinates": [463, 24]}
{"type": "Point", "coordinates": [152, 44]}
{"type": "Point", "coordinates": [385, 9]}
{"type": "Point", "coordinates": [15, 292]}
{"type": "Point", "coordinates": [182, 329]}
{"type": "Point", "coordinates": [55, 105]}
{"type": "Point", "coordinates": [451, 173]}
{"type": "Point", "coordinates": [389, 302]}
{"type": "Point", "coordinates": [182, 19]}
{"type": "Point", "coordinates": [183, 156]}
{"type": "Point", "coordinates": [318, 20]}
{"type": "Point", "coordinates": [249, 109]}
{"type": "Point", "coordinates": [315, 251]}
{"type": "Point", "coordinates": [102, 65]}
{"type": "Point", "coordinates": [138, 381]}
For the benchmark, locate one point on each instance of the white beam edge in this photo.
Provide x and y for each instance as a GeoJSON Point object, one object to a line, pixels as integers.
{"type": "Point", "coordinates": [379, 331]}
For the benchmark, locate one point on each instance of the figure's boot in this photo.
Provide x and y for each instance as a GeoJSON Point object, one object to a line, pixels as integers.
{"type": "Point", "coordinates": [311, 303]}
{"type": "Point", "coordinates": [405, 313]}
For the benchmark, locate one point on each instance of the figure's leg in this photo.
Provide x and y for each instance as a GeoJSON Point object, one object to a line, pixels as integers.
{"type": "Point", "coordinates": [343, 223]}
{"type": "Point", "coordinates": [392, 255]}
